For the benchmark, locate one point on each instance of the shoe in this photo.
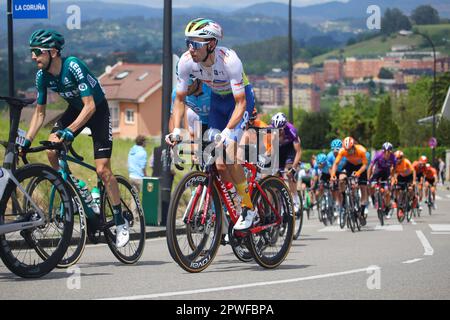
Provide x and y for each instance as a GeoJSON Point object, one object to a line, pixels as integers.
{"type": "Point", "coordinates": [122, 235]}
{"type": "Point", "coordinates": [420, 208]}
{"type": "Point", "coordinates": [434, 206]}
{"type": "Point", "coordinates": [362, 220]}
{"type": "Point", "coordinates": [245, 220]}
{"type": "Point", "coordinates": [225, 240]}
{"type": "Point", "coordinates": [296, 206]}
{"type": "Point", "coordinates": [394, 205]}
{"type": "Point", "coordinates": [366, 211]}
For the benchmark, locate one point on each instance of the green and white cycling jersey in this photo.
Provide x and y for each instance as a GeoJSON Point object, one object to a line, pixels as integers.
{"type": "Point", "coordinates": [73, 83]}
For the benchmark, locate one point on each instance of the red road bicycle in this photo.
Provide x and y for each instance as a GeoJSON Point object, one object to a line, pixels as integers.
{"type": "Point", "coordinates": [196, 215]}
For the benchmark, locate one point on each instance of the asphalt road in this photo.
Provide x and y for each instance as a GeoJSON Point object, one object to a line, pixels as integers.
{"type": "Point", "coordinates": [407, 261]}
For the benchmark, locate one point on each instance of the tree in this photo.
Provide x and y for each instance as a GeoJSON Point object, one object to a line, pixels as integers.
{"type": "Point", "coordinates": [425, 14]}
{"type": "Point", "coordinates": [411, 107]}
{"type": "Point", "coordinates": [394, 20]}
{"type": "Point", "coordinates": [354, 119]}
{"type": "Point", "coordinates": [386, 129]}
{"type": "Point", "coordinates": [314, 129]}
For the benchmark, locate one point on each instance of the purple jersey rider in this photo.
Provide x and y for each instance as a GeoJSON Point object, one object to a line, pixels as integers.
{"type": "Point", "coordinates": [382, 164]}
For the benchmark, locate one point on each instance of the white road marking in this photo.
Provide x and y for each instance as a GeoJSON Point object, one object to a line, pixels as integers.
{"type": "Point", "coordinates": [393, 227]}
{"type": "Point", "coordinates": [242, 286]}
{"type": "Point", "coordinates": [331, 229]}
{"type": "Point", "coordinates": [447, 195]}
{"type": "Point", "coordinates": [426, 245]}
{"type": "Point", "coordinates": [440, 232]}
{"type": "Point", "coordinates": [413, 222]}
{"type": "Point", "coordinates": [413, 260]}
{"type": "Point", "coordinates": [438, 197]}
{"type": "Point", "coordinates": [440, 227]}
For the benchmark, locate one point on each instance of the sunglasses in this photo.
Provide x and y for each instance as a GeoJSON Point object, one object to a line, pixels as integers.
{"type": "Point", "coordinates": [195, 45]}
{"type": "Point", "coordinates": [38, 51]}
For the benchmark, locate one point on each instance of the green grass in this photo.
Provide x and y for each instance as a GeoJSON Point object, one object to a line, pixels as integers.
{"type": "Point", "coordinates": [84, 147]}
{"type": "Point", "coordinates": [381, 45]}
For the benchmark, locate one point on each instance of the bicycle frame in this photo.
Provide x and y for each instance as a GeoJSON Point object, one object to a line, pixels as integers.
{"type": "Point", "coordinates": [205, 193]}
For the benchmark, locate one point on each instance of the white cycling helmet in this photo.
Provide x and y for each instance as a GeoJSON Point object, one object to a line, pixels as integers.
{"type": "Point", "coordinates": [279, 120]}
{"type": "Point", "coordinates": [203, 28]}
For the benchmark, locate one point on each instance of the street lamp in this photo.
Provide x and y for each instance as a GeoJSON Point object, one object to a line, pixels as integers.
{"type": "Point", "coordinates": [409, 33]}
{"type": "Point", "coordinates": [291, 111]}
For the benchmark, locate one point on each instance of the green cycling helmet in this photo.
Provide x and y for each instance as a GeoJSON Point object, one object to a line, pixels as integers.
{"type": "Point", "coordinates": [47, 38]}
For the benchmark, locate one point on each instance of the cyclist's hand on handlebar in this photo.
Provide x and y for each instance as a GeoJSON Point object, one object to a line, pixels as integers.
{"type": "Point", "coordinates": [333, 177]}
{"type": "Point", "coordinates": [356, 174]}
{"type": "Point", "coordinates": [224, 137]}
{"type": "Point", "coordinates": [65, 135]}
{"type": "Point", "coordinates": [174, 137]}
{"type": "Point", "coordinates": [25, 147]}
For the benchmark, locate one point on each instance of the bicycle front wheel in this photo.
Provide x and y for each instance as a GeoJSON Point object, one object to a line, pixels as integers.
{"type": "Point", "coordinates": [193, 238]}
{"type": "Point", "coordinates": [270, 246]}
{"type": "Point", "coordinates": [79, 234]}
{"type": "Point", "coordinates": [133, 213]}
{"type": "Point", "coordinates": [19, 250]}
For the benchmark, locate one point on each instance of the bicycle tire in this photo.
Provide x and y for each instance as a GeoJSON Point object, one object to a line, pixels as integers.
{"type": "Point", "coordinates": [342, 217]}
{"type": "Point", "coordinates": [195, 259]}
{"type": "Point", "coordinates": [380, 210]}
{"type": "Point", "coordinates": [78, 240]}
{"type": "Point", "coordinates": [132, 210]}
{"type": "Point", "coordinates": [299, 220]}
{"type": "Point", "coordinates": [350, 216]}
{"type": "Point", "coordinates": [268, 239]}
{"type": "Point", "coordinates": [401, 206]}
{"type": "Point", "coordinates": [239, 246]}
{"type": "Point", "coordinates": [430, 202]}
{"type": "Point", "coordinates": [37, 267]}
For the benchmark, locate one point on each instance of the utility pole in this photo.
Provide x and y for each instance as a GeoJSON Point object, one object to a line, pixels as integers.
{"type": "Point", "coordinates": [166, 181]}
{"type": "Point", "coordinates": [11, 89]}
{"type": "Point", "coordinates": [291, 109]}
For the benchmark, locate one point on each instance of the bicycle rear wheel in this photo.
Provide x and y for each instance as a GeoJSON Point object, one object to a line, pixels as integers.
{"type": "Point", "coordinates": [133, 213]}
{"type": "Point", "coordinates": [270, 246]}
{"type": "Point", "coordinates": [299, 219]}
{"type": "Point", "coordinates": [18, 250]}
{"type": "Point", "coordinates": [194, 244]}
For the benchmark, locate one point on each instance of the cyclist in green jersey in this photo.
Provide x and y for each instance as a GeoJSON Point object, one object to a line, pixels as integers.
{"type": "Point", "coordinates": [87, 107]}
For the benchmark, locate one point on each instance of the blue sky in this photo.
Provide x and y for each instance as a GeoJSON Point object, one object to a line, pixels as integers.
{"type": "Point", "coordinates": [215, 3]}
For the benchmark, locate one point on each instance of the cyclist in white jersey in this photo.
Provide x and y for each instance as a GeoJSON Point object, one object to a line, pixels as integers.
{"type": "Point", "coordinates": [232, 99]}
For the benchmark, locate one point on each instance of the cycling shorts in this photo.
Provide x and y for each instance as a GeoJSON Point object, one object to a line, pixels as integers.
{"type": "Point", "coordinates": [222, 107]}
{"type": "Point", "coordinates": [99, 123]}
{"type": "Point", "coordinates": [350, 168]}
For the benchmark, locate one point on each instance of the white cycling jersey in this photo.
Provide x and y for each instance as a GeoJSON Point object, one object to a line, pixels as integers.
{"type": "Point", "coordinates": [224, 77]}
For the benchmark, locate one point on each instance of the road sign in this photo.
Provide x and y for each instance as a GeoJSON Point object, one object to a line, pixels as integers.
{"type": "Point", "coordinates": [432, 142]}
{"type": "Point", "coordinates": [30, 9]}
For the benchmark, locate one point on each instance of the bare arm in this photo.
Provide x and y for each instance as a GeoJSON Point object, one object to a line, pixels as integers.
{"type": "Point", "coordinates": [178, 109]}
{"type": "Point", "coordinates": [86, 113]}
{"type": "Point", "coordinates": [36, 121]}
{"type": "Point", "coordinates": [298, 154]}
{"type": "Point", "coordinates": [238, 112]}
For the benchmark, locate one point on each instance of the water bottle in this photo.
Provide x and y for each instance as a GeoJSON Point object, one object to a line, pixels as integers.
{"type": "Point", "coordinates": [85, 194]}
{"type": "Point", "coordinates": [234, 196]}
{"type": "Point", "coordinates": [95, 200]}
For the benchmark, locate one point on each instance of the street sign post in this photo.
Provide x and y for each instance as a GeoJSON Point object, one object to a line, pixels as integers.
{"type": "Point", "coordinates": [30, 9]}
